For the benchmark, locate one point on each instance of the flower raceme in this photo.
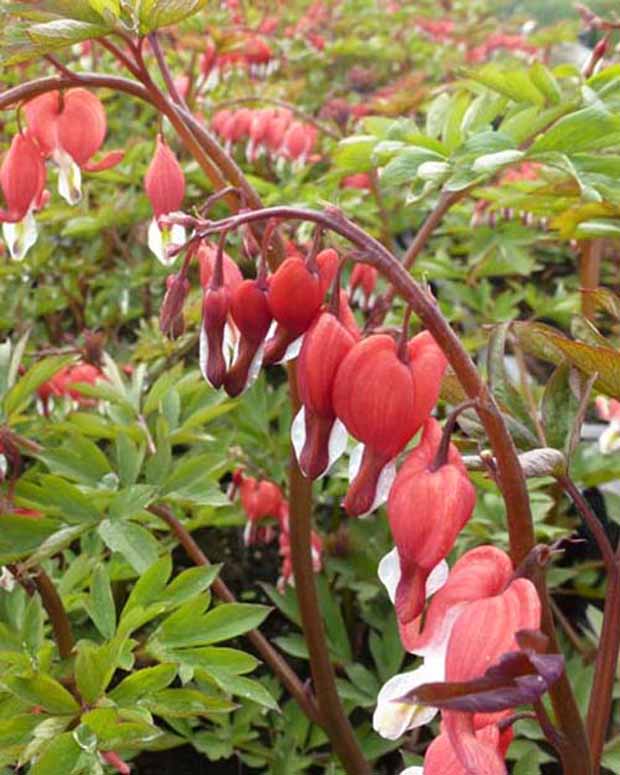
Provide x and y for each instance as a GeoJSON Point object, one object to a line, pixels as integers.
{"type": "Point", "coordinates": [164, 184]}
{"type": "Point", "coordinates": [22, 178]}
{"type": "Point", "coordinates": [427, 508]}
{"type": "Point", "coordinates": [70, 127]}
{"type": "Point", "coordinates": [384, 420]}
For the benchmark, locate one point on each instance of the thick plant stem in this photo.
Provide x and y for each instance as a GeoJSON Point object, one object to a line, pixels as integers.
{"type": "Point", "coordinates": [275, 661]}
{"type": "Point", "coordinates": [333, 717]}
{"type": "Point", "coordinates": [589, 274]}
{"type": "Point", "coordinates": [601, 698]}
{"type": "Point", "coordinates": [575, 749]}
{"type": "Point", "coordinates": [38, 580]}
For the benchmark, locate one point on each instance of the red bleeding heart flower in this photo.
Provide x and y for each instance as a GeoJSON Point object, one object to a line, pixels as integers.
{"type": "Point", "coordinates": [385, 419]}
{"type": "Point", "coordinates": [295, 296]}
{"type": "Point", "coordinates": [261, 500]}
{"type": "Point", "coordinates": [164, 184]}
{"type": "Point", "coordinates": [251, 314]}
{"type": "Point", "coordinates": [22, 178]}
{"type": "Point", "coordinates": [485, 631]}
{"type": "Point", "coordinates": [427, 509]}
{"type": "Point", "coordinates": [70, 127]}
{"type": "Point", "coordinates": [319, 439]}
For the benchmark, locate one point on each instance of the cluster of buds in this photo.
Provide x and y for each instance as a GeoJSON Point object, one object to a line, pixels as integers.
{"type": "Point", "coordinates": [481, 621]}
{"type": "Point", "coordinates": [267, 513]}
{"type": "Point", "coordinates": [67, 127]}
{"type": "Point", "coordinates": [311, 24]}
{"type": "Point", "coordinates": [267, 131]}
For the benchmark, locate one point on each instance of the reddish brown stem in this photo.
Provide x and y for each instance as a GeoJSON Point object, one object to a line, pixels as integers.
{"type": "Point", "coordinates": [589, 274]}
{"type": "Point", "coordinates": [38, 580]}
{"type": "Point", "coordinates": [332, 713]}
{"type": "Point", "coordinates": [275, 661]}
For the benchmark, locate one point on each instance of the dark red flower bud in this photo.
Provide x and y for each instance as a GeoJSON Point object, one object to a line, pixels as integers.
{"type": "Point", "coordinates": [252, 316]}
{"type": "Point", "coordinates": [213, 358]}
{"type": "Point", "coordinates": [171, 313]}
{"type": "Point", "coordinates": [317, 436]}
{"type": "Point", "coordinates": [427, 510]}
{"type": "Point", "coordinates": [295, 296]}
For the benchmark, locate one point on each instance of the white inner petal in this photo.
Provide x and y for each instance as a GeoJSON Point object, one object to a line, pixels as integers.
{"type": "Point", "coordinates": [391, 718]}
{"type": "Point", "coordinates": [69, 177]}
{"type": "Point", "coordinates": [298, 432]}
{"type": "Point", "coordinates": [21, 236]}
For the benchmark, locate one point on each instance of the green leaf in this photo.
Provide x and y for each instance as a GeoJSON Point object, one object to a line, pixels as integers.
{"type": "Point", "coordinates": [41, 689]}
{"type": "Point", "coordinates": [336, 631]}
{"type": "Point", "coordinates": [78, 459]}
{"type": "Point", "coordinates": [161, 13]}
{"type": "Point", "coordinates": [216, 658]}
{"type": "Point", "coordinates": [222, 623]}
{"type": "Point", "coordinates": [134, 542]}
{"type": "Point", "coordinates": [32, 634]}
{"type": "Point", "coordinates": [512, 82]}
{"type": "Point", "coordinates": [23, 391]}
{"type": "Point", "coordinates": [61, 755]}
{"type": "Point", "coordinates": [503, 389]}
{"type": "Point", "coordinates": [19, 536]}
{"type": "Point", "coordinates": [95, 666]}
{"type": "Point", "coordinates": [100, 606]}
{"type": "Point", "coordinates": [192, 479]}
{"type": "Point", "coordinates": [354, 153]}
{"type": "Point", "coordinates": [72, 505]}
{"type": "Point", "coordinates": [246, 688]}
{"type": "Point", "coordinates": [129, 459]}
{"type": "Point", "coordinates": [403, 168]}
{"type": "Point", "coordinates": [185, 703]}
{"type": "Point", "coordinates": [545, 82]}
{"type": "Point", "coordinates": [189, 583]}
{"type": "Point", "coordinates": [143, 683]}
{"type": "Point", "coordinates": [150, 586]}
{"type": "Point", "coordinates": [594, 127]}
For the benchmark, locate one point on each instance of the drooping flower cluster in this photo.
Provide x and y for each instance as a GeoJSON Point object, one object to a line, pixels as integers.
{"type": "Point", "coordinates": [67, 127]}
{"type": "Point", "coordinates": [273, 132]}
{"type": "Point", "coordinates": [267, 512]}
{"type": "Point", "coordinates": [471, 625]}
{"type": "Point", "coordinates": [64, 385]}
{"type": "Point", "coordinates": [341, 376]}
{"type": "Point", "coordinates": [251, 55]}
